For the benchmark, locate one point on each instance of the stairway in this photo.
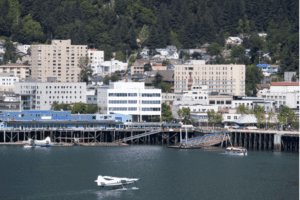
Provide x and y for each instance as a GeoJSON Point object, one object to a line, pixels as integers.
{"type": "Point", "coordinates": [206, 140]}
{"type": "Point", "coordinates": [138, 136]}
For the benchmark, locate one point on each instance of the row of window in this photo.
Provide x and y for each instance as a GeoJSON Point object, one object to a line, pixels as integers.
{"type": "Point", "coordinates": [219, 102]}
{"type": "Point", "coordinates": [150, 94]}
{"type": "Point", "coordinates": [150, 102]}
{"type": "Point", "coordinates": [122, 94]}
{"type": "Point", "coordinates": [150, 109]}
{"type": "Point", "coordinates": [122, 101]}
{"type": "Point", "coordinates": [123, 109]}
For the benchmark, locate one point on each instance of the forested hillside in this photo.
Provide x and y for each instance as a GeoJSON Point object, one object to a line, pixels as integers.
{"type": "Point", "coordinates": [115, 25]}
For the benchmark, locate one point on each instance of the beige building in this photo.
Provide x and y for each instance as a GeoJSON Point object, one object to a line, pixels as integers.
{"type": "Point", "coordinates": [20, 70]}
{"type": "Point", "coordinates": [96, 56]}
{"type": "Point", "coordinates": [228, 79]}
{"type": "Point", "coordinates": [137, 68]}
{"type": "Point", "coordinates": [60, 60]}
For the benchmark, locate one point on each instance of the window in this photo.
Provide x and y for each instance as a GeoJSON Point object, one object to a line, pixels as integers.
{"type": "Point", "coordinates": [228, 117]}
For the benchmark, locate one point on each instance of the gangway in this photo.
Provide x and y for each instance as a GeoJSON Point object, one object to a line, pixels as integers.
{"type": "Point", "coordinates": [207, 140]}
{"type": "Point", "coordinates": [138, 136]}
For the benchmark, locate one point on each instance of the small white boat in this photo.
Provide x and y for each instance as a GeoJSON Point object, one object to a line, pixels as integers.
{"type": "Point", "coordinates": [30, 146]}
{"type": "Point", "coordinates": [236, 151]}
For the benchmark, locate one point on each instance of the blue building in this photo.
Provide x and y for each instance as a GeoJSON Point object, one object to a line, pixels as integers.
{"type": "Point", "coordinates": [49, 119]}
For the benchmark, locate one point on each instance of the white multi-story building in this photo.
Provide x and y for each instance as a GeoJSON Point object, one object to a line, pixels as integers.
{"type": "Point", "coordinates": [96, 56]}
{"type": "Point", "coordinates": [228, 79]}
{"type": "Point", "coordinates": [283, 93]}
{"type": "Point", "coordinates": [130, 98]}
{"type": "Point", "coordinates": [108, 67]}
{"type": "Point", "coordinates": [41, 95]}
{"type": "Point", "coordinates": [199, 93]}
{"type": "Point", "coordinates": [250, 102]}
{"type": "Point", "coordinates": [23, 48]}
{"type": "Point", "coordinates": [7, 82]}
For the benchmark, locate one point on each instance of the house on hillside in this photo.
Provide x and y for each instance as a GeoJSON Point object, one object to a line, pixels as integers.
{"type": "Point", "coordinates": [231, 41]}
{"type": "Point", "coordinates": [204, 47]}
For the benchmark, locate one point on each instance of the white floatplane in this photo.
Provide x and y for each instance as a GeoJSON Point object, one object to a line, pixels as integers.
{"type": "Point", "coordinates": [115, 182]}
{"type": "Point", "coordinates": [38, 143]}
{"type": "Point", "coordinates": [236, 151]}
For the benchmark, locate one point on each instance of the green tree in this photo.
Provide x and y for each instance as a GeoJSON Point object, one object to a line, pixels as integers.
{"type": "Point", "coordinates": [144, 34]}
{"type": "Point", "coordinates": [106, 81]}
{"type": "Point", "coordinates": [166, 113]}
{"type": "Point", "coordinates": [242, 109]}
{"type": "Point", "coordinates": [259, 113]}
{"type": "Point", "coordinates": [79, 108]}
{"type": "Point", "coordinates": [91, 108]}
{"type": "Point", "coordinates": [186, 56]}
{"type": "Point", "coordinates": [165, 87]}
{"type": "Point", "coordinates": [253, 76]}
{"type": "Point", "coordinates": [214, 49]}
{"type": "Point", "coordinates": [114, 78]}
{"type": "Point", "coordinates": [120, 56]}
{"type": "Point", "coordinates": [256, 43]}
{"type": "Point", "coordinates": [157, 79]}
{"type": "Point", "coordinates": [180, 113]}
{"type": "Point", "coordinates": [286, 115]}
{"type": "Point", "coordinates": [147, 67]}
{"type": "Point", "coordinates": [86, 71]}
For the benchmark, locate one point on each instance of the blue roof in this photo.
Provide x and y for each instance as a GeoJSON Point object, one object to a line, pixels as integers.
{"type": "Point", "coordinates": [263, 65]}
{"type": "Point", "coordinates": [271, 71]}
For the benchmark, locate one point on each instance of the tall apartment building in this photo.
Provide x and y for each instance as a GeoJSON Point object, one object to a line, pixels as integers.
{"type": "Point", "coordinates": [219, 78]}
{"type": "Point", "coordinates": [36, 95]}
{"type": "Point", "coordinates": [60, 59]}
{"type": "Point", "coordinates": [21, 71]}
{"type": "Point", "coordinates": [96, 56]}
{"type": "Point", "coordinates": [130, 98]}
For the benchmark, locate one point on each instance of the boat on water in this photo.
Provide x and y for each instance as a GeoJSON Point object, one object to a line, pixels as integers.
{"type": "Point", "coordinates": [38, 143]}
{"type": "Point", "coordinates": [236, 151]}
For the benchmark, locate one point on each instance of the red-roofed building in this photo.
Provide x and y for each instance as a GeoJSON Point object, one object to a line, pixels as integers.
{"type": "Point", "coordinates": [285, 84]}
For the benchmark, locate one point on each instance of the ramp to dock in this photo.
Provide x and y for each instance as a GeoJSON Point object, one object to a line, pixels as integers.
{"type": "Point", "coordinates": [138, 136]}
{"type": "Point", "coordinates": [206, 140]}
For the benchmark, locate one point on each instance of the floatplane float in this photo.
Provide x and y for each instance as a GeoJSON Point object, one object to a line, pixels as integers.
{"type": "Point", "coordinates": [115, 183]}
{"type": "Point", "coordinates": [38, 143]}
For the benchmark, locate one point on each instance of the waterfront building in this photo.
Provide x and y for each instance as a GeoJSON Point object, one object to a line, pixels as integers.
{"type": "Point", "coordinates": [283, 93]}
{"type": "Point", "coordinates": [250, 102]}
{"type": "Point", "coordinates": [222, 100]}
{"type": "Point", "coordinates": [54, 120]}
{"type": "Point", "coordinates": [20, 70]}
{"type": "Point", "coordinates": [37, 95]}
{"type": "Point", "coordinates": [219, 78]}
{"type": "Point", "coordinates": [130, 98]}
{"type": "Point", "coordinates": [60, 59]}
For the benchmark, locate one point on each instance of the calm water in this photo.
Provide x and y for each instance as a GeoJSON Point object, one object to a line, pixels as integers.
{"type": "Point", "coordinates": [69, 173]}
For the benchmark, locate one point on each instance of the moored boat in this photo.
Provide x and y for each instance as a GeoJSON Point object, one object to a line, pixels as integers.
{"type": "Point", "coordinates": [236, 150]}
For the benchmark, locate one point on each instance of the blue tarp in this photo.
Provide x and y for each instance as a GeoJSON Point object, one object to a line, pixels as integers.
{"type": "Point", "coordinates": [263, 65]}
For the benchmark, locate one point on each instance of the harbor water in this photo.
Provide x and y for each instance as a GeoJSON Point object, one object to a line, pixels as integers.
{"type": "Point", "coordinates": [69, 173]}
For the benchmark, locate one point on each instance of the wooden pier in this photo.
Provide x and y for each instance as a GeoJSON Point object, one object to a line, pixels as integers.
{"type": "Point", "coordinates": [250, 139]}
